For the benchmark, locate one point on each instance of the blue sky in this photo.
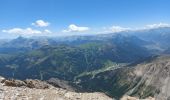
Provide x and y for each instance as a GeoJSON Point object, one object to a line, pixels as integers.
{"type": "Point", "coordinates": [66, 17]}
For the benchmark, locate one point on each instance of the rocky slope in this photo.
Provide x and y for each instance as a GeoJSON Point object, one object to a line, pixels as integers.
{"type": "Point", "coordinates": [153, 78]}
{"type": "Point", "coordinates": [38, 90]}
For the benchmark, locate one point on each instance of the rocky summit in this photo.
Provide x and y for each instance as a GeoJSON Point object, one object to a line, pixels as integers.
{"type": "Point", "coordinates": [29, 89]}
{"type": "Point", "coordinates": [38, 90]}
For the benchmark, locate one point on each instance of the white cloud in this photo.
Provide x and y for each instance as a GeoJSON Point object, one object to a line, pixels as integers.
{"type": "Point", "coordinates": [115, 29]}
{"type": "Point", "coordinates": [41, 23]}
{"type": "Point", "coordinates": [28, 31]}
{"type": "Point", "coordinates": [74, 28]}
{"type": "Point", "coordinates": [153, 26]}
{"type": "Point", "coordinates": [47, 31]}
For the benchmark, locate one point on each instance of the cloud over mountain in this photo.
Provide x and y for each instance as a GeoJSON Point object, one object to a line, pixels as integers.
{"type": "Point", "coordinates": [41, 23]}
{"type": "Point", "coordinates": [26, 31]}
{"type": "Point", "coordinates": [74, 28]}
{"type": "Point", "coordinates": [118, 29]}
{"type": "Point", "coordinates": [152, 26]}
{"type": "Point", "coordinates": [22, 31]}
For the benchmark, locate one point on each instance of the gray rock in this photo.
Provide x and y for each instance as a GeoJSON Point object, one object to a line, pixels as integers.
{"type": "Point", "coordinates": [1, 79]}
{"type": "Point", "coordinates": [61, 84]}
{"type": "Point", "coordinates": [14, 83]}
{"type": "Point", "coordinates": [36, 84]}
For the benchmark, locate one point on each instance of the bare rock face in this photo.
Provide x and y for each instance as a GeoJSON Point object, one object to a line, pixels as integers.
{"type": "Point", "coordinates": [153, 79]}
{"type": "Point", "coordinates": [27, 83]}
{"type": "Point", "coordinates": [61, 84]}
{"type": "Point", "coordinates": [37, 90]}
{"type": "Point", "coordinates": [36, 84]}
{"type": "Point", "coordinates": [14, 83]}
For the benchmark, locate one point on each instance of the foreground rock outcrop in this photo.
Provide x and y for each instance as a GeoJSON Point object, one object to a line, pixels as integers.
{"type": "Point", "coordinates": [38, 90]}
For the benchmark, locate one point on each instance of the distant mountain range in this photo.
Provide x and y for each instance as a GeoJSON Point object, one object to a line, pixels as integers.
{"type": "Point", "coordinates": [68, 60]}
{"type": "Point", "coordinates": [159, 36]}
